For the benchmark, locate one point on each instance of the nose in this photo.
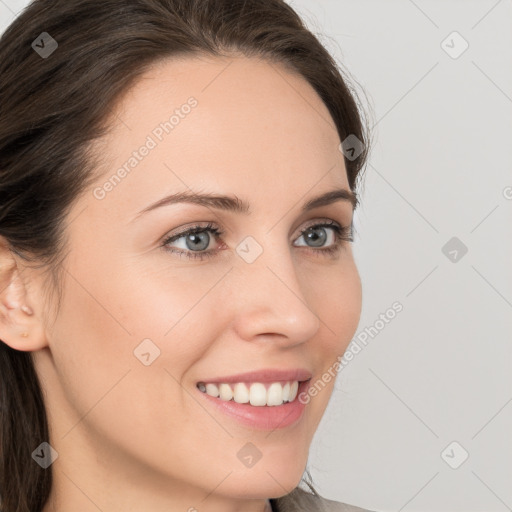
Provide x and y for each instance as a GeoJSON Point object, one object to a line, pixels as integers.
{"type": "Point", "coordinates": [269, 301]}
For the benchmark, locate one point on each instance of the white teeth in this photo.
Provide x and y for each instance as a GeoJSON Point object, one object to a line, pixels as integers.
{"type": "Point", "coordinates": [294, 387]}
{"type": "Point", "coordinates": [241, 393]}
{"type": "Point", "coordinates": [225, 391]}
{"type": "Point", "coordinates": [212, 389]}
{"type": "Point", "coordinates": [274, 394]}
{"type": "Point", "coordinates": [286, 392]}
{"type": "Point", "coordinates": [256, 394]}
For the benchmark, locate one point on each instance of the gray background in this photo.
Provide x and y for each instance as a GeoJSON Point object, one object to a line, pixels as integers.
{"type": "Point", "coordinates": [440, 166]}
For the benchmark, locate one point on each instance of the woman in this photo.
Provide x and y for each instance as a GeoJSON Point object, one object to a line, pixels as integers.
{"type": "Point", "coordinates": [177, 186]}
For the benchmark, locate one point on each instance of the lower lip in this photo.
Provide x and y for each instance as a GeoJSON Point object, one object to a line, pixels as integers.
{"type": "Point", "coordinates": [262, 417]}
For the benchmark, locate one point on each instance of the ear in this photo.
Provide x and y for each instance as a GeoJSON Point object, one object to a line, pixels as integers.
{"type": "Point", "coordinates": [20, 327]}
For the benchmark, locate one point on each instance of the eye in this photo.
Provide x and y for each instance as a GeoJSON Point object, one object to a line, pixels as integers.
{"type": "Point", "coordinates": [317, 236]}
{"type": "Point", "coordinates": [196, 240]}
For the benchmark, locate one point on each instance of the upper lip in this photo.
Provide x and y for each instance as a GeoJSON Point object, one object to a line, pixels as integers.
{"type": "Point", "coordinates": [265, 375]}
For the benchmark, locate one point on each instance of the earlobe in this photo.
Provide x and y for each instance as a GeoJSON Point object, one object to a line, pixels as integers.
{"type": "Point", "coordinates": [20, 328]}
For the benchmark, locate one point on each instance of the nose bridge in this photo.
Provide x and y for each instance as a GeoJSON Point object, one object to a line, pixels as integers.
{"type": "Point", "coordinates": [269, 297]}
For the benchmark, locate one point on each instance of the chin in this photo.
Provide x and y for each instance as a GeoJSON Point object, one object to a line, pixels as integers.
{"type": "Point", "coordinates": [272, 480]}
{"type": "Point", "coordinates": [261, 486]}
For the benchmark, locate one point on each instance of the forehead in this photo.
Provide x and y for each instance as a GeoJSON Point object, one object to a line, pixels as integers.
{"type": "Point", "coordinates": [221, 123]}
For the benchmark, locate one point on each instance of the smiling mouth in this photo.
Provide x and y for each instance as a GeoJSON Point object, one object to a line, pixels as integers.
{"type": "Point", "coordinates": [258, 394]}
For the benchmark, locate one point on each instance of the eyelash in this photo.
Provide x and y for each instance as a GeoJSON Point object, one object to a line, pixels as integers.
{"type": "Point", "coordinates": [341, 234]}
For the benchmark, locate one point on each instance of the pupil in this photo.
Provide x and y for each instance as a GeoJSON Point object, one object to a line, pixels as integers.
{"type": "Point", "coordinates": [313, 236]}
{"type": "Point", "coordinates": [196, 239]}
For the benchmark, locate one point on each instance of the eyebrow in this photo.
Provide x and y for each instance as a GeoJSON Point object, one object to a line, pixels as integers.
{"type": "Point", "coordinates": [236, 205]}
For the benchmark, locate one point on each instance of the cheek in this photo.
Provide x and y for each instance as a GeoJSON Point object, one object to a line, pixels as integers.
{"type": "Point", "coordinates": [124, 320]}
{"type": "Point", "coordinates": [177, 308]}
{"type": "Point", "coordinates": [335, 295]}
{"type": "Point", "coordinates": [346, 307]}
{"type": "Point", "coordinates": [106, 388]}
{"type": "Point", "coordinates": [105, 314]}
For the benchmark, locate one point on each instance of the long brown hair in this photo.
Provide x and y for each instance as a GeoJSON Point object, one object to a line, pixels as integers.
{"type": "Point", "coordinates": [63, 66]}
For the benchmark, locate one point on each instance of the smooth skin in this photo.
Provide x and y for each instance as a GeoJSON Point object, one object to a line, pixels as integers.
{"type": "Point", "coordinates": [134, 437]}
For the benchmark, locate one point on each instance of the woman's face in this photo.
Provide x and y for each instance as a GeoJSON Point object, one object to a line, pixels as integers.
{"type": "Point", "coordinates": [141, 325]}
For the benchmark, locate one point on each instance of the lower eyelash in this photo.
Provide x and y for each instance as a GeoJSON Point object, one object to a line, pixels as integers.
{"type": "Point", "coordinates": [210, 228]}
{"type": "Point", "coordinates": [341, 234]}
